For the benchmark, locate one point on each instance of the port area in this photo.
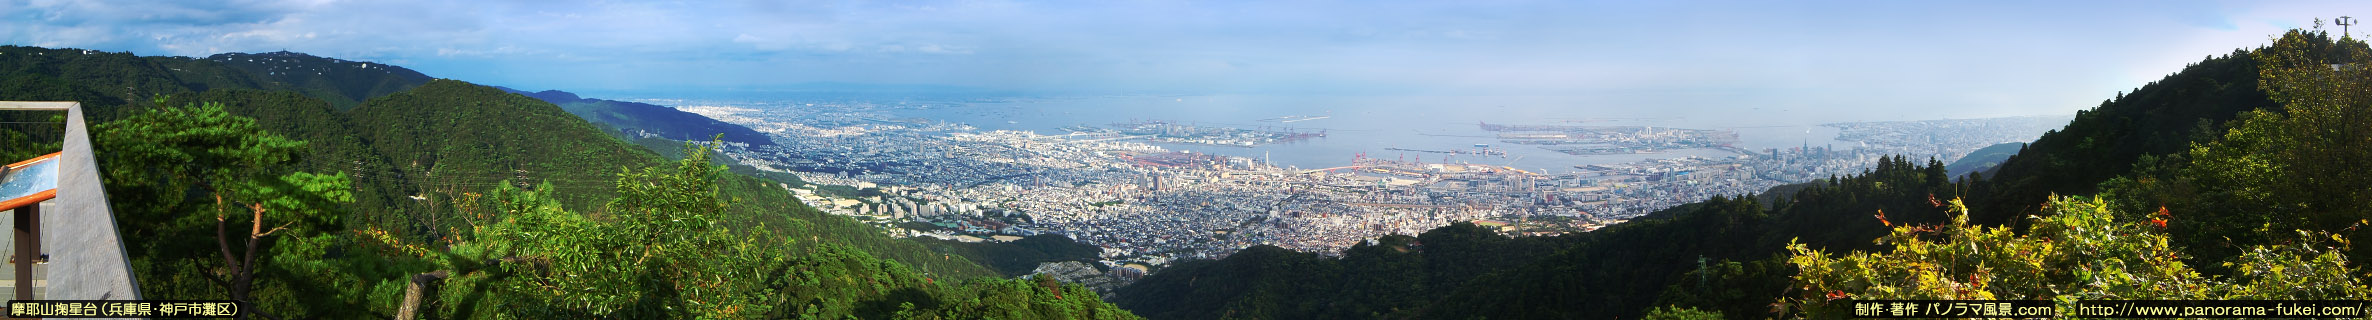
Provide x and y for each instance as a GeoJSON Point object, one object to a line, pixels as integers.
{"type": "Point", "coordinates": [1174, 132]}
{"type": "Point", "coordinates": [1292, 119]}
{"type": "Point", "coordinates": [1608, 140]}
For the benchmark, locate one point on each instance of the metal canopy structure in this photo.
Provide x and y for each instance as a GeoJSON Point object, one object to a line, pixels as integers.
{"type": "Point", "coordinates": [23, 187]}
{"type": "Point", "coordinates": [70, 222]}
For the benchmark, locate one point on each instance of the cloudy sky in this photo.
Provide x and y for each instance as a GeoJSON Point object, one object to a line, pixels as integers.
{"type": "Point", "coordinates": [2015, 57]}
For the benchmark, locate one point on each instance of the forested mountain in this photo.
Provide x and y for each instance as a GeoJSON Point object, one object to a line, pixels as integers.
{"type": "Point", "coordinates": [449, 134]}
{"type": "Point", "coordinates": [103, 81]}
{"type": "Point", "coordinates": [343, 83]}
{"type": "Point", "coordinates": [628, 117]}
{"type": "Point", "coordinates": [1019, 257]}
{"type": "Point", "coordinates": [1984, 160]}
{"type": "Point", "coordinates": [2160, 118]}
{"type": "Point", "coordinates": [349, 206]}
{"type": "Point", "coordinates": [2168, 160]}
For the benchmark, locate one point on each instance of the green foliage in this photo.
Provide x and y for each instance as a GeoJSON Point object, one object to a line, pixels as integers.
{"type": "Point", "coordinates": [651, 253]}
{"type": "Point", "coordinates": [448, 136]}
{"type": "Point", "coordinates": [1019, 257]}
{"type": "Point", "coordinates": [1730, 287]}
{"type": "Point", "coordinates": [2160, 118]}
{"type": "Point", "coordinates": [26, 134]}
{"type": "Point", "coordinates": [1680, 313]}
{"type": "Point", "coordinates": [23, 137]}
{"type": "Point", "coordinates": [332, 144]}
{"type": "Point", "coordinates": [1257, 282]}
{"type": "Point", "coordinates": [662, 253]}
{"type": "Point", "coordinates": [670, 201]}
{"type": "Point", "coordinates": [2271, 171]}
{"type": "Point", "coordinates": [213, 147]}
{"type": "Point", "coordinates": [2308, 164]}
{"type": "Point", "coordinates": [1392, 277]}
{"type": "Point", "coordinates": [107, 81]}
{"type": "Point", "coordinates": [422, 166]}
{"type": "Point", "coordinates": [309, 195]}
{"type": "Point", "coordinates": [2081, 251]}
{"type": "Point", "coordinates": [174, 159]}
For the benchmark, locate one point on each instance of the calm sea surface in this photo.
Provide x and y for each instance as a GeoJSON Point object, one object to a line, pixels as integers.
{"type": "Point", "coordinates": [1372, 125]}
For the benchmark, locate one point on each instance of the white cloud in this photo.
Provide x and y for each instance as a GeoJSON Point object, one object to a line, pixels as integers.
{"type": "Point", "coordinates": [933, 48]}
{"type": "Point", "coordinates": [2031, 50]}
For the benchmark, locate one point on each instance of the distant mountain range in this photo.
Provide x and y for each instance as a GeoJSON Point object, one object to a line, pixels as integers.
{"type": "Point", "coordinates": [627, 118]}
{"type": "Point", "coordinates": [346, 83]}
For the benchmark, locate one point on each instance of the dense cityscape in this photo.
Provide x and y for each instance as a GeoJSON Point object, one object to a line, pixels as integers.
{"type": "Point", "coordinates": [1147, 204]}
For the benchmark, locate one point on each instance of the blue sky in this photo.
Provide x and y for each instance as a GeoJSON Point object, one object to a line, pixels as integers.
{"type": "Point", "coordinates": [2004, 57]}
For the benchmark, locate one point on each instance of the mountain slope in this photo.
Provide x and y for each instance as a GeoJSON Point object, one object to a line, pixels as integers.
{"type": "Point", "coordinates": [343, 83]}
{"type": "Point", "coordinates": [2160, 118]}
{"type": "Point", "coordinates": [109, 80]}
{"type": "Point", "coordinates": [333, 145]}
{"type": "Point", "coordinates": [1984, 160]}
{"type": "Point", "coordinates": [418, 158]}
{"type": "Point", "coordinates": [664, 122]}
{"type": "Point", "coordinates": [450, 134]}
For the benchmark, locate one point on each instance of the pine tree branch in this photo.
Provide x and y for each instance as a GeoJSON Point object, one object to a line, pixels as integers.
{"type": "Point", "coordinates": [209, 276]}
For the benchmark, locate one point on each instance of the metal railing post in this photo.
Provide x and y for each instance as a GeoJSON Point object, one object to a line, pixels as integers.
{"type": "Point", "coordinates": [28, 248]}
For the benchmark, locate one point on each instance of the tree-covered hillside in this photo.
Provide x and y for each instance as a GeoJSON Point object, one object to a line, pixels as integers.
{"type": "Point", "coordinates": [350, 205]}
{"type": "Point", "coordinates": [343, 83]}
{"type": "Point", "coordinates": [104, 81]}
{"type": "Point", "coordinates": [448, 135]}
{"type": "Point", "coordinates": [2163, 117]}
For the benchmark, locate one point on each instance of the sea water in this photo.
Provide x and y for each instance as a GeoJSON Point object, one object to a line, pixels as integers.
{"type": "Point", "coordinates": [1375, 125]}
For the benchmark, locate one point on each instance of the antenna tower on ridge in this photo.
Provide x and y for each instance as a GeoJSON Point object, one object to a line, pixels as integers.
{"type": "Point", "coordinates": [2343, 22]}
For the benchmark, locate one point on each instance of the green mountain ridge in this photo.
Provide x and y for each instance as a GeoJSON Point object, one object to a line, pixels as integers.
{"type": "Point", "coordinates": [343, 83]}
{"type": "Point", "coordinates": [423, 162]}
{"type": "Point", "coordinates": [624, 117]}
